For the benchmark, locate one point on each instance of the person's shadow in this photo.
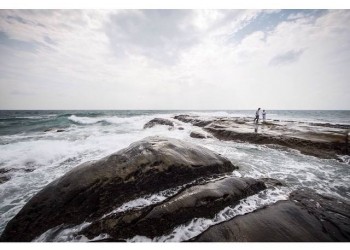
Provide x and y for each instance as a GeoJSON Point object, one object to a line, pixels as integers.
{"type": "Point", "coordinates": [256, 127]}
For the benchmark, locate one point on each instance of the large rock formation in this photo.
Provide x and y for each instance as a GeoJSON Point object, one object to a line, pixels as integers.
{"type": "Point", "coordinates": [325, 141]}
{"type": "Point", "coordinates": [158, 121]}
{"type": "Point", "coordinates": [197, 201]}
{"type": "Point", "coordinates": [95, 188]}
{"type": "Point", "coordinates": [307, 216]}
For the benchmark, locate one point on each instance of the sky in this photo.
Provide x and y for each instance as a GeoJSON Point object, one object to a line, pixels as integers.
{"type": "Point", "coordinates": [174, 59]}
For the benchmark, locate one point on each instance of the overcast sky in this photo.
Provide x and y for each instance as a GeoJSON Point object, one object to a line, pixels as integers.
{"type": "Point", "coordinates": [174, 59]}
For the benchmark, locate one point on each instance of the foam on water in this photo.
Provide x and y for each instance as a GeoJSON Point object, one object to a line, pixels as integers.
{"type": "Point", "coordinates": [68, 234]}
{"type": "Point", "coordinates": [63, 234]}
{"type": "Point", "coordinates": [156, 198]}
{"type": "Point", "coordinates": [33, 159]}
{"type": "Point", "coordinates": [197, 226]}
{"type": "Point", "coordinates": [327, 176]}
{"type": "Point", "coordinates": [145, 201]}
{"type": "Point", "coordinates": [92, 120]}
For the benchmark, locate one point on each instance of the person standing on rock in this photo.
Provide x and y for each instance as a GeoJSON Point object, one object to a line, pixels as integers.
{"type": "Point", "coordinates": [257, 114]}
{"type": "Point", "coordinates": [264, 115]}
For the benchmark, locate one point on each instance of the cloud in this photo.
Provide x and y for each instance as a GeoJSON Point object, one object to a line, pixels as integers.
{"type": "Point", "coordinates": [286, 58]}
{"type": "Point", "coordinates": [21, 93]}
{"type": "Point", "coordinates": [174, 59]}
{"type": "Point", "coordinates": [157, 34]}
{"type": "Point", "coordinates": [17, 44]}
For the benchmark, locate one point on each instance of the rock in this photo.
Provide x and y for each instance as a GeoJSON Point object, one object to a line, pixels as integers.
{"type": "Point", "coordinates": [52, 129]}
{"type": "Point", "coordinates": [4, 179]}
{"type": "Point", "coordinates": [312, 218]}
{"type": "Point", "coordinates": [180, 128]}
{"type": "Point", "coordinates": [196, 201]}
{"type": "Point", "coordinates": [332, 213]}
{"type": "Point", "coordinates": [270, 182]}
{"type": "Point", "coordinates": [158, 121]}
{"type": "Point", "coordinates": [194, 120]}
{"type": "Point", "coordinates": [199, 135]}
{"type": "Point", "coordinates": [92, 189]}
{"type": "Point", "coordinates": [324, 141]}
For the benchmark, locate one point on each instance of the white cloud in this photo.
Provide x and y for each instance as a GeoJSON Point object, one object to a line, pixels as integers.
{"type": "Point", "coordinates": [172, 60]}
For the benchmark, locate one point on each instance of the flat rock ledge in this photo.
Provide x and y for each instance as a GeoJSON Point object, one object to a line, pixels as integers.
{"type": "Point", "coordinates": [93, 189]}
{"type": "Point", "coordinates": [320, 140]}
{"type": "Point", "coordinates": [306, 217]}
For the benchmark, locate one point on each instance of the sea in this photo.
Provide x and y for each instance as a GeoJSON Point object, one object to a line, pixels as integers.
{"type": "Point", "coordinates": [33, 154]}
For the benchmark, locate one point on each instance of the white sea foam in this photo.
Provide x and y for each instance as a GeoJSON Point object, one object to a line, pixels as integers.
{"type": "Point", "coordinates": [37, 159]}
{"type": "Point", "coordinates": [145, 201]}
{"type": "Point", "coordinates": [92, 120]}
{"type": "Point", "coordinates": [50, 155]}
{"type": "Point", "coordinates": [62, 233]}
{"type": "Point", "coordinates": [152, 199]}
{"type": "Point", "coordinates": [197, 226]}
{"type": "Point", "coordinates": [345, 158]}
{"type": "Point", "coordinates": [290, 166]}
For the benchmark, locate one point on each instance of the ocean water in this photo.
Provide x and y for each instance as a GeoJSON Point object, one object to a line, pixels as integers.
{"type": "Point", "coordinates": [30, 158]}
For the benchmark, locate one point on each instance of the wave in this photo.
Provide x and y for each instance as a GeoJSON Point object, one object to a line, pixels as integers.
{"type": "Point", "coordinates": [88, 114]}
{"type": "Point", "coordinates": [19, 118]}
{"type": "Point", "coordinates": [93, 120]}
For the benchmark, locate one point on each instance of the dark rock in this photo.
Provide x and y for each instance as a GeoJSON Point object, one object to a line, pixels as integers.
{"type": "Point", "coordinates": [180, 128]}
{"type": "Point", "coordinates": [329, 125]}
{"type": "Point", "coordinates": [184, 118]}
{"type": "Point", "coordinates": [108, 240]}
{"type": "Point", "coordinates": [158, 121]}
{"type": "Point", "coordinates": [308, 216]}
{"type": "Point", "coordinates": [309, 147]}
{"type": "Point", "coordinates": [199, 135]}
{"type": "Point", "coordinates": [94, 188]}
{"type": "Point", "coordinates": [320, 140]}
{"type": "Point", "coordinates": [270, 182]}
{"type": "Point", "coordinates": [199, 201]}
{"type": "Point", "coordinates": [28, 170]}
{"type": "Point", "coordinates": [4, 179]}
{"type": "Point", "coordinates": [194, 120]}
{"type": "Point", "coordinates": [333, 213]}
{"type": "Point", "coordinates": [52, 129]}
{"type": "Point", "coordinates": [281, 222]}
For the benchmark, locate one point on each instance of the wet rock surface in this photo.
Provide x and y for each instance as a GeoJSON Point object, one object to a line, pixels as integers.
{"type": "Point", "coordinates": [4, 179]}
{"type": "Point", "coordinates": [158, 121]}
{"type": "Point", "coordinates": [270, 182]}
{"type": "Point", "coordinates": [306, 217]}
{"type": "Point", "coordinates": [199, 135]}
{"type": "Point", "coordinates": [200, 200]}
{"type": "Point", "coordinates": [320, 140]}
{"type": "Point", "coordinates": [3, 175]}
{"type": "Point", "coordinates": [92, 189]}
{"type": "Point", "coordinates": [333, 213]}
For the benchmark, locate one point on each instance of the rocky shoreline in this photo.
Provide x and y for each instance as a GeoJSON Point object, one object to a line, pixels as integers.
{"type": "Point", "coordinates": [91, 194]}
{"type": "Point", "coordinates": [316, 139]}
